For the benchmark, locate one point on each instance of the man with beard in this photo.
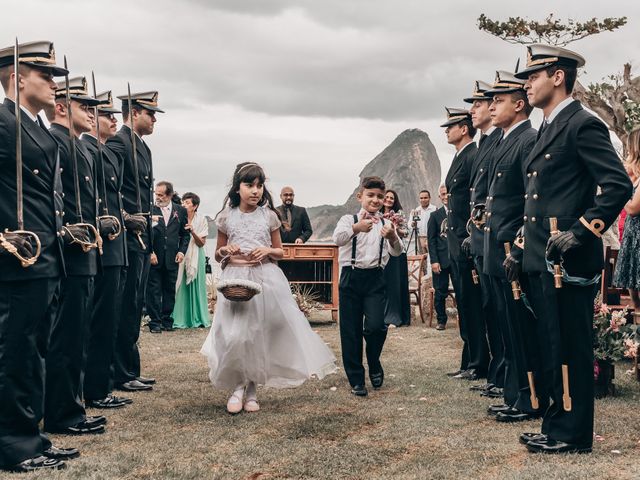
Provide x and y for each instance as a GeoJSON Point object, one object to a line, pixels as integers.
{"type": "Point", "coordinates": [137, 199]}
{"type": "Point", "coordinates": [296, 227]}
{"type": "Point", "coordinates": [170, 243]}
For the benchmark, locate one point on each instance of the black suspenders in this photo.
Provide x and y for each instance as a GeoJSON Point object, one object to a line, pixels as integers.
{"type": "Point", "coordinates": [353, 246]}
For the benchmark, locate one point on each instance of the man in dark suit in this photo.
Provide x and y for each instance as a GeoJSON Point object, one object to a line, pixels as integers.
{"type": "Point", "coordinates": [296, 226]}
{"type": "Point", "coordinates": [64, 409]}
{"type": "Point", "coordinates": [170, 242]}
{"type": "Point", "coordinates": [572, 157]}
{"type": "Point", "coordinates": [109, 283]}
{"type": "Point", "coordinates": [137, 199]}
{"type": "Point", "coordinates": [439, 256]}
{"type": "Point", "coordinates": [510, 112]}
{"type": "Point", "coordinates": [28, 296]}
{"type": "Point", "coordinates": [473, 245]}
{"type": "Point", "coordinates": [475, 352]}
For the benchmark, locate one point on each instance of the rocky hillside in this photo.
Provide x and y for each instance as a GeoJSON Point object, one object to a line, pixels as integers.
{"type": "Point", "coordinates": [409, 164]}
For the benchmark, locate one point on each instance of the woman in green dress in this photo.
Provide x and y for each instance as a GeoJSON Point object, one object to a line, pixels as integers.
{"type": "Point", "coordinates": [192, 308]}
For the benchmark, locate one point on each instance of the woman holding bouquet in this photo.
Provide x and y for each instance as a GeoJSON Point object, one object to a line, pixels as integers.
{"type": "Point", "coordinates": [396, 273]}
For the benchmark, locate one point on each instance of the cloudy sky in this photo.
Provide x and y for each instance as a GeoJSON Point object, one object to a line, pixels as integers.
{"type": "Point", "coordinates": [311, 89]}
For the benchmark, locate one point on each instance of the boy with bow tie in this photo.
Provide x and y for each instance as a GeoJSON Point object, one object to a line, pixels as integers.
{"type": "Point", "coordinates": [366, 240]}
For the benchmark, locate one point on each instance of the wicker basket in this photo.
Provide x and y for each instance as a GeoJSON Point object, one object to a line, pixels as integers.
{"type": "Point", "coordinates": [239, 290]}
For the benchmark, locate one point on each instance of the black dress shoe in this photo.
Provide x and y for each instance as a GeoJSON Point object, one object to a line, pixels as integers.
{"type": "Point", "coordinates": [527, 437]}
{"type": "Point", "coordinates": [80, 428]}
{"type": "Point", "coordinates": [359, 390]}
{"type": "Point", "coordinates": [376, 379]}
{"type": "Point", "coordinates": [146, 380]}
{"type": "Point", "coordinates": [155, 329]}
{"type": "Point", "coordinates": [96, 420]}
{"type": "Point", "coordinates": [168, 329]}
{"type": "Point", "coordinates": [61, 453]}
{"type": "Point", "coordinates": [556, 446]}
{"type": "Point", "coordinates": [453, 374]}
{"type": "Point", "coordinates": [494, 409]}
{"type": "Point", "coordinates": [104, 403]}
{"type": "Point", "coordinates": [440, 326]}
{"type": "Point", "coordinates": [38, 463]}
{"type": "Point", "coordinates": [482, 387]}
{"type": "Point", "coordinates": [493, 392]}
{"type": "Point", "coordinates": [125, 400]}
{"type": "Point", "coordinates": [468, 375]}
{"type": "Point", "coordinates": [134, 386]}
{"type": "Point", "coordinates": [514, 415]}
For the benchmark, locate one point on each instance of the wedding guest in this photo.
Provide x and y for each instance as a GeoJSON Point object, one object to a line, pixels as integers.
{"type": "Point", "coordinates": [420, 219]}
{"type": "Point", "coordinates": [627, 274]}
{"type": "Point", "coordinates": [439, 256]}
{"type": "Point", "coordinates": [170, 242]}
{"type": "Point", "coordinates": [192, 308]}
{"type": "Point", "coordinates": [397, 311]}
{"type": "Point", "coordinates": [633, 176]}
{"type": "Point", "coordinates": [296, 226]}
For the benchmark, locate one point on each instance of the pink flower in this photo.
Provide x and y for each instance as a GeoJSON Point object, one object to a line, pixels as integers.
{"type": "Point", "coordinates": [604, 309]}
{"type": "Point", "coordinates": [596, 369]}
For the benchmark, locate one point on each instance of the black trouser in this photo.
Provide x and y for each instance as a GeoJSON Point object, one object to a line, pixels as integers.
{"type": "Point", "coordinates": [63, 406]}
{"type": "Point", "coordinates": [106, 312]}
{"type": "Point", "coordinates": [161, 295]}
{"type": "Point", "coordinates": [362, 301]}
{"type": "Point", "coordinates": [495, 371]}
{"type": "Point", "coordinates": [27, 309]}
{"type": "Point", "coordinates": [441, 289]}
{"type": "Point", "coordinates": [126, 361]}
{"type": "Point", "coordinates": [568, 319]}
{"type": "Point", "coordinates": [475, 352]}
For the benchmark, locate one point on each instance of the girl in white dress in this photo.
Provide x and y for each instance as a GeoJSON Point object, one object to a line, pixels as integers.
{"type": "Point", "coordinates": [266, 340]}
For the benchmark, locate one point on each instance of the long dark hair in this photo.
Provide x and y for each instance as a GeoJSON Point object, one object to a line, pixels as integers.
{"type": "Point", "coordinates": [396, 202]}
{"type": "Point", "coordinates": [247, 172]}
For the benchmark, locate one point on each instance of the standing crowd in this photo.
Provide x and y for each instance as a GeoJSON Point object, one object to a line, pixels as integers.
{"type": "Point", "coordinates": [88, 241]}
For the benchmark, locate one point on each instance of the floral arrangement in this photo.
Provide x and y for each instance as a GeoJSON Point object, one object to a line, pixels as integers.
{"type": "Point", "coordinates": [611, 333]}
{"type": "Point", "coordinates": [399, 221]}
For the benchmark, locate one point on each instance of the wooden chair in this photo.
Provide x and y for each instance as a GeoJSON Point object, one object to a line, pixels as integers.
{"type": "Point", "coordinates": [416, 265]}
{"type": "Point", "coordinates": [607, 290]}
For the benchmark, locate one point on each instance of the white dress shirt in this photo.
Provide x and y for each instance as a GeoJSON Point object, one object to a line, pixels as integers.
{"type": "Point", "coordinates": [424, 214]}
{"type": "Point", "coordinates": [367, 244]}
{"type": "Point", "coordinates": [561, 106]}
{"type": "Point", "coordinates": [506, 133]}
{"type": "Point", "coordinates": [166, 213]}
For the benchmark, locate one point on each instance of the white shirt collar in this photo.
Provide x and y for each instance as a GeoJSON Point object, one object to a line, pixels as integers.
{"type": "Point", "coordinates": [490, 130]}
{"type": "Point", "coordinates": [561, 106]}
{"type": "Point", "coordinates": [460, 151]}
{"type": "Point", "coordinates": [29, 114]}
{"type": "Point", "coordinates": [513, 127]}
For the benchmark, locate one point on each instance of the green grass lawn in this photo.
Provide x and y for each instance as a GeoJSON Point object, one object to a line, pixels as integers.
{"type": "Point", "coordinates": [421, 425]}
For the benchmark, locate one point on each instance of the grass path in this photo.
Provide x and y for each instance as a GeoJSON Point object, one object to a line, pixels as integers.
{"type": "Point", "coordinates": [421, 425]}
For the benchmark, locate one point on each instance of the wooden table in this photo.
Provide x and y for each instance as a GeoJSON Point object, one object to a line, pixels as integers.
{"type": "Point", "coordinates": [314, 266]}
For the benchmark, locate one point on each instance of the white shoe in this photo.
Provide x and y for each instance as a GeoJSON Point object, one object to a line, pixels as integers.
{"type": "Point", "coordinates": [234, 404]}
{"type": "Point", "coordinates": [251, 405]}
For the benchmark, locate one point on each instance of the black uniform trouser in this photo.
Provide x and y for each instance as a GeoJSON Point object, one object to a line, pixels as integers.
{"type": "Point", "coordinates": [161, 295]}
{"type": "Point", "coordinates": [126, 361]}
{"type": "Point", "coordinates": [63, 406]}
{"type": "Point", "coordinates": [568, 321]}
{"type": "Point", "coordinates": [441, 289]}
{"type": "Point", "coordinates": [475, 351]}
{"type": "Point", "coordinates": [107, 306]}
{"type": "Point", "coordinates": [522, 327]}
{"type": "Point", "coordinates": [27, 309]}
{"type": "Point", "coordinates": [362, 301]}
{"type": "Point", "coordinates": [495, 370]}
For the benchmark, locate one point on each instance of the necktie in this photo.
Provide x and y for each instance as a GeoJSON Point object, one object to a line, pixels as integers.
{"type": "Point", "coordinates": [165, 215]}
{"type": "Point", "coordinates": [288, 211]}
{"type": "Point", "coordinates": [543, 127]}
{"type": "Point", "coordinates": [483, 137]}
